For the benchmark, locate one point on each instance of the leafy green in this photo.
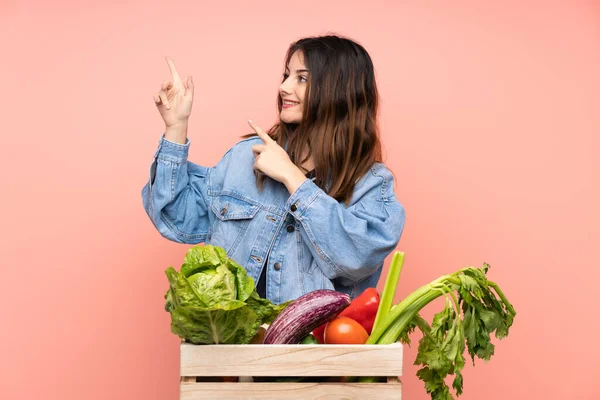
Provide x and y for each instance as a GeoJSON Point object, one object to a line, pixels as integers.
{"type": "Point", "coordinates": [441, 353]}
{"type": "Point", "coordinates": [413, 324]}
{"type": "Point", "coordinates": [212, 299]}
{"type": "Point", "coordinates": [475, 308]}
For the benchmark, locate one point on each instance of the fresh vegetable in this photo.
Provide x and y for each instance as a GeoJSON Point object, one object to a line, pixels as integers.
{"type": "Point", "coordinates": [304, 314]}
{"type": "Point", "coordinates": [319, 333]}
{"type": "Point", "coordinates": [344, 330]}
{"type": "Point", "coordinates": [475, 308]}
{"type": "Point", "coordinates": [363, 310]}
{"type": "Point", "coordinates": [212, 299]}
{"type": "Point", "coordinates": [310, 339]}
{"type": "Point", "coordinates": [389, 290]}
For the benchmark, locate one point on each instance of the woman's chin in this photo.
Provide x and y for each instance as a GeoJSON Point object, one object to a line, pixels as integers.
{"type": "Point", "coordinates": [290, 119]}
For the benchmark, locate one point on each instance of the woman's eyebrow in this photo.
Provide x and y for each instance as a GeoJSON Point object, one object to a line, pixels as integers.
{"type": "Point", "coordinates": [299, 70]}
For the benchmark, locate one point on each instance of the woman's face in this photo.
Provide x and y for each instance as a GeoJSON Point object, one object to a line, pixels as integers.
{"type": "Point", "coordinates": [293, 88]}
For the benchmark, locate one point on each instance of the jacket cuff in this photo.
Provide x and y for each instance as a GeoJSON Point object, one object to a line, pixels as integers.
{"type": "Point", "coordinates": [302, 198]}
{"type": "Point", "coordinates": [171, 151]}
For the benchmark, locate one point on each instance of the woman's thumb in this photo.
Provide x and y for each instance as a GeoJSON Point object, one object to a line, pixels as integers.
{"type": "Point", "coordinates": [189, 90]}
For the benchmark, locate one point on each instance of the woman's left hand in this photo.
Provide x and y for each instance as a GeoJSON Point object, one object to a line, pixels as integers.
{"type": "Point", "coordinates": [273, 161]}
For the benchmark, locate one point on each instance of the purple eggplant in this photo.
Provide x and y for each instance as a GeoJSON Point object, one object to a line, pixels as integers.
{"type": "Point", "coordinates": [304, 314]}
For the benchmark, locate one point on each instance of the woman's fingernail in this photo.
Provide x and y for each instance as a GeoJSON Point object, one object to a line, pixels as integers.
{"type": "Point", "coordinates": [250, 121]}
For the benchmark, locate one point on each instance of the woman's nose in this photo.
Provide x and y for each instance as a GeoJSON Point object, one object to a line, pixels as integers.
{"type": "Point", "coordinates": [284, 88]}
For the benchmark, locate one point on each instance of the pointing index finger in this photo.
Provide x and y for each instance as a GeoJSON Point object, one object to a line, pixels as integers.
{"type": "Point", "coordinates": [261, 134]}
{"type": "Point", "coordinates": [173, 70]}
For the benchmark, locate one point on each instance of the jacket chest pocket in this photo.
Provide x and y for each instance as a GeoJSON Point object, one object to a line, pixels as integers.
{"type": "Point", "coordinates": [233, 217]}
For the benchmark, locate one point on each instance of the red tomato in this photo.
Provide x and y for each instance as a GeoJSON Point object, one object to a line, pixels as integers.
{"type": "Point", "coordinates": [344, 330]}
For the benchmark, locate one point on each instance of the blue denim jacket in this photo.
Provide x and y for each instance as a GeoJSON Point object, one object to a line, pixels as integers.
{"type": "Point", "coordinates": [313, 241]}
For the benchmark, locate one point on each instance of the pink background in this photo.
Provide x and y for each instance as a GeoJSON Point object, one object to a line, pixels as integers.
{"type": "Point", "coordinates": [490, 119]}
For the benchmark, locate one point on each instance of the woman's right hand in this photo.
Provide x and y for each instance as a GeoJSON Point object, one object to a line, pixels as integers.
{"type": "Point", "coordinates": [175, 98]}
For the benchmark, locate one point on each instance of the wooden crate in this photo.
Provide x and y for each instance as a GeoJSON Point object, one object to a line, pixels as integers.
{"type": "Point", "coordinates": [200, 362]}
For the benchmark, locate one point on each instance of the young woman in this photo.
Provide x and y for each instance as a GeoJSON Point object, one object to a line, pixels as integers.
{"type": "Point", "coordinates": [307, 205]}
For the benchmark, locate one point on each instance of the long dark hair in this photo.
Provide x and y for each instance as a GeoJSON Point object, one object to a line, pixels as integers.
{"type": "Point", "coordinates": [339, 120]}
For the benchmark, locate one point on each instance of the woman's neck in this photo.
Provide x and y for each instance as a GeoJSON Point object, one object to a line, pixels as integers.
{"type": "Point", "coordinates": [308, 165]}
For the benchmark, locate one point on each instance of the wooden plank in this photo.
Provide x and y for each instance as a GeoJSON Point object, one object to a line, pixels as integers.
{"type": "Point", "coordinates": [291, 391]}
{"type": "Point", "coordinates": [291, 360]}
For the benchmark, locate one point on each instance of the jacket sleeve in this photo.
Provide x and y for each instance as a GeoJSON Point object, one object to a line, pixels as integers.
{"type": "Point", "coordinates": [176, 194]}
{"type": "Point", "coordinates": [350, 243]}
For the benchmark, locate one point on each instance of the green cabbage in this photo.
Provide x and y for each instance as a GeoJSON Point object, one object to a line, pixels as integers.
{"type": "Point", "coordinates": [213, 300]}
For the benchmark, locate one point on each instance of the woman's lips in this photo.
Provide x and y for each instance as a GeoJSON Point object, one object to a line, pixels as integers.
{"type": "Point", "coordinates": [290, 104]}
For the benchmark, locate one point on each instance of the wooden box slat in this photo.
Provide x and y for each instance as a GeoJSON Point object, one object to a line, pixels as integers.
{"type": "Point", "coordinates": [291, 360]}
{"type": "Point", "coordinates": [291, 391]}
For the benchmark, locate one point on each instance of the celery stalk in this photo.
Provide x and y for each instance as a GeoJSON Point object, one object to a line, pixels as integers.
{"type": "Point", "coordinates": [389, 290]}
{"type": "Point", "coordinates": [393, 331]}
{"type": "Point", "coordinates": [399, 308]}
{"type": "Point", "coordinates": [475, 309]}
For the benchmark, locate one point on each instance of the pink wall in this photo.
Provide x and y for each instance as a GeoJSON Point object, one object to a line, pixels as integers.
{"type": "Point", "coordinates": [490, 115]}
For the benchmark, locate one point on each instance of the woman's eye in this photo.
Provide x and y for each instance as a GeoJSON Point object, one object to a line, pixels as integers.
{"type": "Point", "coordinates": [300, 78]}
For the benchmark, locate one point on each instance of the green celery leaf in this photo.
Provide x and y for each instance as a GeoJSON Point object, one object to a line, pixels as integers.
{"type": "Point", "coordinates": [451, 344]}
{"type": "Point", "coordinates": [490, 320]}
{"type": "Point", "coordinates": [457, 383]}
{"type": "Point", "coordinates": [416, 322]}
{"type": "Point", "coordinates": [468, 283]}
{"type": "Point", "coordinates": [441, 321]}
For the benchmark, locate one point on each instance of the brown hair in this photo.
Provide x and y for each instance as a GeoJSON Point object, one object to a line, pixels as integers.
{"type": "Point", "coordinates": [339, 121]}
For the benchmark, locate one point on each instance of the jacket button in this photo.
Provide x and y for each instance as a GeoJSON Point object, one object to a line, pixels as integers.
{"type": "Point", "coordinates": [224, 209]}
{"type": "Point", "coordinates": [277, 266]}
{"type": "Point", "coordinates": [290, 228]}
{"type": "Point", "coordinates": [293, 207]}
